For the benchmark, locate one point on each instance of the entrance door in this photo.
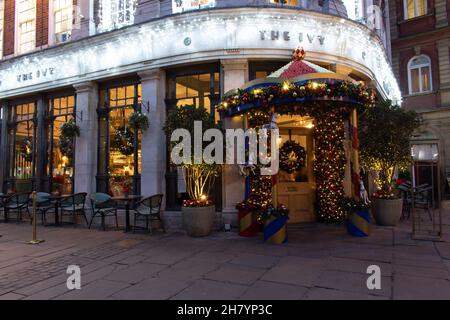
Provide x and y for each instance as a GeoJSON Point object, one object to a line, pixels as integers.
{"type": "Point", "coordinates": [297, 190]}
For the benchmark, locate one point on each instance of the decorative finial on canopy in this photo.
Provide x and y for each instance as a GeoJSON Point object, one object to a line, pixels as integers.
{"type": "Point", "coordinates": [298, 54]}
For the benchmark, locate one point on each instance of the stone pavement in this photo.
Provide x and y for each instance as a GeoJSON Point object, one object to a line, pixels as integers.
{"type": "Point", "coordinates": [319, 262]}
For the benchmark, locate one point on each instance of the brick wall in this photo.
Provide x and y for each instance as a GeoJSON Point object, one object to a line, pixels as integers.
{"type": "Point", "coordinates": [8, 31]}
{"type": "Point", "coordinates": [41, 23]}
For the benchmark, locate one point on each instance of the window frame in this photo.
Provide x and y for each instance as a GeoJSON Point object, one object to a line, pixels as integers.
{"type": "Point", "coordinates": [2, 21]}
{"type": "Point", "coordinates": [420, 67]}
{"type": "Point", "coordinates": [416, 15]}
{"type": "Point", "coordinates": [52, 23]}
{"type": "Point", "coordinates": [17, 40]}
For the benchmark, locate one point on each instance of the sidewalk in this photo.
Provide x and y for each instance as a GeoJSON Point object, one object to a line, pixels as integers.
{"type": "Point", "coordinates": [319, 262]}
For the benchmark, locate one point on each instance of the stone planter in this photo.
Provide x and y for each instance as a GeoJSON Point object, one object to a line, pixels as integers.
{"type": "Point", "coordinates": [387, 212]}
{"type": "Point", "coordinates": [198, 221]}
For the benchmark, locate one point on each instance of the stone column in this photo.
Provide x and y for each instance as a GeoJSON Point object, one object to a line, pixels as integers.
{"type": "Point", "coordinates": [153, 144]}
{"type": "Point", "coordinates": [86, 144]}
{"type": "Point", "coordinates": [443, 47]}
{"type": "Point", "coordinates": [235, 74]}
{"type": "Point", "coordinates": [4, 154]}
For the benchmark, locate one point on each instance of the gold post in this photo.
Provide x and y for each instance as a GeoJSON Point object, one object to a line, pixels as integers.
{"type": "Point", "coordinates": [34, 239]}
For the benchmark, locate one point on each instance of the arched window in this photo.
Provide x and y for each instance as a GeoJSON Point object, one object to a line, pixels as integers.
{"type": "Point", "coordinates": [419, 74]}
{"type": "Point", "coordinates": [414, 8]}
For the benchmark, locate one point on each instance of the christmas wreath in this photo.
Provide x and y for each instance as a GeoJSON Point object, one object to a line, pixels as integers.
{"type": "Point", "coordinates": [66, 146]}
{"type": "Point", "coordinates": [26, 149]}
{"type": "Point", "coordinates": [123, 140]}
{"type": "Point", "coordinates": [139, 121]}
{"type": "Point", "coordinates": [292, 156]}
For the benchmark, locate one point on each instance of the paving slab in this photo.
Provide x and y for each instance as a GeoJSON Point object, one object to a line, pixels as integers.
{"type": "Point", "coordinates": [211, 290]}
{"type": "Point", "coordinates": [412, 287]}
{"type": "Point", "coordinates": [295, 270]}
{"type": "Point", "coordinates": [266, 290]}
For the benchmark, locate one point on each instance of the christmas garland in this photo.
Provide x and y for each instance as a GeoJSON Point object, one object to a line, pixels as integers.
{"type": "Point", "coordinates": [26, 149]}
{"type": "Point", "coordinates": [292, 157]}
{"type": "Point", "coordinates": [123, 140]}
{"type": "Point", "coordinates": [292, 91]}
{"type": "Point", "coordinates": [69, 130]}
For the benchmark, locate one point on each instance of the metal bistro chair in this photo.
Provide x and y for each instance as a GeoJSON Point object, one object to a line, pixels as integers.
{"type": "Point", "coordinates": [17, 202]}
{"type": "Point", "coordinates": [73, 205]}
{"type": "Point", "coordinates": [43, 205]}
{"type": "Point", "coordinates": [149, 209]}
{"type": "Point", "coordinates": [423, 199]}
{"type": "Point", "coordinates": [102, 205]}
{"type": "Point", "coordinates": [406, 192]}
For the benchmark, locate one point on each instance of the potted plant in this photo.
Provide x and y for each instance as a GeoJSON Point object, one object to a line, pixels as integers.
{"type": "Point", "coordinates": [357, 217]}
{"type": "Point", "coordinates": [384, 132]}
{"type": "Point", "coordinates": [198, 211]}
{"type": "Point", "coordinates": [275, 224]}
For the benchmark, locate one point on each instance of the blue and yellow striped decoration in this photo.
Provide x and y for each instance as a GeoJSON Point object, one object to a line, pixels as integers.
{"type": "Point", "coordinates": [358, 223]}
{"type": "Point", "coordinates": [275, 230]}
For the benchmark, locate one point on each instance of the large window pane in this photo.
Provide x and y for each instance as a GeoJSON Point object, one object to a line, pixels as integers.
{"type": "Point", "coordinates": [120, 145]}
{"type": "Point", "coordinates": [62, 154]}
{"type": "Point", "coordinates": [415, 81]}
{"type": "Point", "coordinates": [426, 81]}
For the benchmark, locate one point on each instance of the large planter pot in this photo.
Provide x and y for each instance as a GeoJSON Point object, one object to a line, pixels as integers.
{"type": "Point", "coordinates": [198, 221]}
{"type": "Point", "coordinates": [275, 230]}
{"type": "Point", "coordinates": [358, 223]}
{"type": "Point", "coordinates": [387, 212]}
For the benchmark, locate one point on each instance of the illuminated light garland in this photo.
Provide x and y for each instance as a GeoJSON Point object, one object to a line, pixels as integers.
{"type": "Point", "coordinates": [153, 40]}
{"type": "Point", "coordinates": [337, 89]}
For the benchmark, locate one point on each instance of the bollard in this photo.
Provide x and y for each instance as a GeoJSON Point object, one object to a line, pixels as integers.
{"type": "Point", "coordinates": [34, 239]}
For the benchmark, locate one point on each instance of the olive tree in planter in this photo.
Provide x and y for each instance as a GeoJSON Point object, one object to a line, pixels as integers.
{"type": "Point", "coordinates": [198, 211]}
{"type": "Point", "coordinates": [384, 132]}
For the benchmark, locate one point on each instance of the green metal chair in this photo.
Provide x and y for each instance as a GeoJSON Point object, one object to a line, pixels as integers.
{"type": "Point", "coordinates": [103, 206]}
{"type": "Point", "coordinates": [74, 205]}
{"type": "Point", "coordinates": [149, 209]}
{"type": "Point", "coordinates": [17, 202]}
{"type": "Point", "coordinates": [43, 205]}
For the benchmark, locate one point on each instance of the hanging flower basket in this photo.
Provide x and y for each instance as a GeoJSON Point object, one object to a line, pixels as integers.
{"type": "Point", "coordinates": [139, 121]}
{"type": "Point", "coordinates": [70, 129]}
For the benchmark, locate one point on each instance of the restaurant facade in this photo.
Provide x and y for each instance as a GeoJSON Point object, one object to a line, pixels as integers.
{"type": "Point", "coordinates": [152, 65]}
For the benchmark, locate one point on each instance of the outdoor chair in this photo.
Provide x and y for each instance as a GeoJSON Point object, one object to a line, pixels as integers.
{"type": "Point", "coordinates": [423, 199]}
{"type": "Point", "coordinates": [43, 205]}
{"type": "Point", "coordinates": [406, 192]}
{"type": "Point", "coordinates": [149, 209]}
{"type": "Point", "coordinates": [74, 205]}
{"type": "Point", "coordinates": [103, 206]}
{"type": "Point", "coordinates": [17, 202]}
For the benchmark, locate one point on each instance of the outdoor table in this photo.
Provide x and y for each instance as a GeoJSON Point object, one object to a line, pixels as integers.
{"type": "Point", "coordinates": [57, 200]}
{"type": "Point", "coordinates": [127, 200]}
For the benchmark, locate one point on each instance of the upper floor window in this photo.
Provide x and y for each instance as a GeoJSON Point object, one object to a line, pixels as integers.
{"type": "Point", "coordinates": [187, 5]}
{"type": "Point", "coordinates": [286, 2]}
{"type": "Point", "coordinates": [414, 8]}
{"type": "Point", "coordinates": [116, 13]}
{"type": "Point", "coordinates": [26, 25]}
{"type": "Point", "coordinates": [2, 12]}
{"type": "Point", "coordinates": [62, 20]}
{"type": "Point", "coordinates": [419, 74]}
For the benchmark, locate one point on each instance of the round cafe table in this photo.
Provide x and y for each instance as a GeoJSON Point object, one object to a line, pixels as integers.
{"type": "Point", "coordinates": [127, 200]}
